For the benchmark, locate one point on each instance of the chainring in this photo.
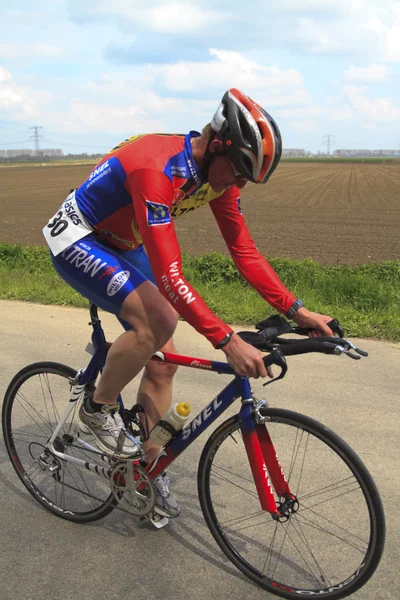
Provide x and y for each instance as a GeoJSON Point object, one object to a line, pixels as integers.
{"type": "Point", "coordinates": [133, 488]}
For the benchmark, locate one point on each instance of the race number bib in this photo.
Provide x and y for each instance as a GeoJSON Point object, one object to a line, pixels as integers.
{"type": "Point", "coordinates": [66, 227]}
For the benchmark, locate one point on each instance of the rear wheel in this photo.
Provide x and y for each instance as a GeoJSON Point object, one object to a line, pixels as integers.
{"type": "Point", "coordinates": [33, 403]}
{"type": "Point", "coordinates": [332, 540]}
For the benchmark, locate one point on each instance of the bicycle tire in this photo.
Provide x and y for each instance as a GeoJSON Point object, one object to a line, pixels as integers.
{"type": "Point", "coordinates": [215, 498]}
{"type": "Point", "coordinates": [26, 423]}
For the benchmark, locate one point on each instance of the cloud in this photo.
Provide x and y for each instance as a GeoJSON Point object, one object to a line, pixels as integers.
{"type": "Point", "coordinates": [359, 28]}
{"type": "Point", "coordinates": [316, 37]}
{"type": "Point", "coordinates": [343, 113]}
{"type": "Point", "coordinates": [151, 49]}
{"type": "Point", "coordinates": [230, 69]}
{"type": "Point", "coordinates": [380, 109]}
{"type": "Point", "coordinates": [21, 51]}
{"type": "Point", "coordinates": [309, 27]}
{"type": "Point", "coordinates": [175, 17]}
{"type": "Point", "coordinates": [17, 102]}
{"type": "Point", "coordinates": [387, 28]}
{"type": "Point", "coordinates": [105, 118]}
{"type": "Point", "coordinates": [304, 126]}
{"type": "Point", "coordinates": [310, 111]}
{"type": "Point", "coordinates": [370, 74]}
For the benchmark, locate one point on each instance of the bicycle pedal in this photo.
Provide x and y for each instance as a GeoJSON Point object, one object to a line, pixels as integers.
{"type": "Point", "coordinates": [159, 521]}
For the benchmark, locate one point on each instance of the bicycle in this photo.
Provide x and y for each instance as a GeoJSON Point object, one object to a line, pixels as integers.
{"type": "Point", "coordinates": [286, 499]}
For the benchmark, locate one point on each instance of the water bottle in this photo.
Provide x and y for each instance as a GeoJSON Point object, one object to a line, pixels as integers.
{"type": "Point", "coordinates": [172, 422]}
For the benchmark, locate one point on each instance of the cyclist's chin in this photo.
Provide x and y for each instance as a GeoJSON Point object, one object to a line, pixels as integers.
{"type": "Point", "coordinates": [219, 187]}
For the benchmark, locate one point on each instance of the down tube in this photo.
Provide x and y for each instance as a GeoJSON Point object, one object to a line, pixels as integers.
{"type": "Point", "coordinates": [196, 427]}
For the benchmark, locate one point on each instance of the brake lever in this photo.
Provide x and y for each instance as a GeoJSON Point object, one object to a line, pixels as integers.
{"type": "Point", "coordinates": [358, 350]}
{"type": "Point", "coordinates": [345, 349]}
{"type": "Point", "coordinates": [351, 355]}
{"type": "Point", "coordinates": [280, 361]}
{"type": "Point", "coordinates": [336, 327]}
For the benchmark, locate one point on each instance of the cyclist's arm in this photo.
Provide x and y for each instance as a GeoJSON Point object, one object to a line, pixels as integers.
{"type": "Point", "coordinates": [249, 261]}
{"type": "Point", "coordinates": [152, 194]}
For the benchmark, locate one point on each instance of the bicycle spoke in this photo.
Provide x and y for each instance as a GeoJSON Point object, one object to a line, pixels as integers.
{"type": "Point", "coordinates": [85, 494]}
{"type": "Point", "coordinates": [238, 520]}
{"type": "Point", "coordinates": [309, 570]}
{"type": "Point", "coordinates": [26, 436]}
{"type": "Point", "coordinates": [332, 498]}
{"type": "Point", "coordinates": [330, 487]}
{"type": "Point", "coordinates": [311, 524]}
{"type": "Point", "coordinates": [222, 478]}
{"type": "Point", "coordinates": [270, 549]}
{"type": "Point", "coordinates": [39, 415]}
{"type": "Point", "coordinates": [42, 380]}
{"type": "Point", "coordinates": [307, 544]}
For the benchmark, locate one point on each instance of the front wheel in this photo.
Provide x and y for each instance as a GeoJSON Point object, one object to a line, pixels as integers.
{"type": "Point", "coordinates": [333, 540]}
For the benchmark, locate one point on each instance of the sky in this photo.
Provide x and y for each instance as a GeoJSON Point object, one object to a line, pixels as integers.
{"type": "Point", "coordinates": [91, 72]}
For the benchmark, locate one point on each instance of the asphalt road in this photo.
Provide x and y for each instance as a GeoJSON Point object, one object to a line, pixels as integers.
{"type": "Point", "coordinates": [43, 557]}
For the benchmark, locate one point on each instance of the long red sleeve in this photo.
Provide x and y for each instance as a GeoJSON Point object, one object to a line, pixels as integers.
{"type": "Point", "coordinates": [152, 193]}
{"type": "Point", "coordinates": [249, 261]}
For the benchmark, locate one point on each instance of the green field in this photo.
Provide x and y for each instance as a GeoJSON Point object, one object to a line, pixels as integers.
{"type": "Point", "coordinates": [365, 298]}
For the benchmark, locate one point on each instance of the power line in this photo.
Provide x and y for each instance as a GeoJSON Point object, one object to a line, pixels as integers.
{"type": "Point", "coordinates": [56, 133]}
{"type": "Point", "coordinates": [12, 143]}
{"type": "Point", "coordinates": [77, 145]}
{"type": "Point", "coordinates": [13, 133]}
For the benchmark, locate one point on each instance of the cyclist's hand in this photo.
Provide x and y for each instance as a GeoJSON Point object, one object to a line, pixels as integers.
{"type": "Point", "coordinates": [315, 321]}
{"type": "Point", "coordinates": [245, 359]}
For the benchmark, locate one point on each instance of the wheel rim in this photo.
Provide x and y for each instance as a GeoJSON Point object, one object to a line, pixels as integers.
{"type": "Point", "coordinates": [325, 545]}
{"type": "Point", "coordinates": [34, 406]}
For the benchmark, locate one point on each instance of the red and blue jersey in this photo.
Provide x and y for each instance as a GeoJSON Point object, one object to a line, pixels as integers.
{"type": "Point", "coordinates": [133, 196]}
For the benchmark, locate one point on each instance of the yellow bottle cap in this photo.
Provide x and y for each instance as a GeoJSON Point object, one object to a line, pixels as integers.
{"type": "Point", "coordinates": [183, 409]}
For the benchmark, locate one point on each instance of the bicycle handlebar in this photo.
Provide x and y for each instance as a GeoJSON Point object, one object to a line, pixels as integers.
{"type": "Point", "coordinates": [268, 339]}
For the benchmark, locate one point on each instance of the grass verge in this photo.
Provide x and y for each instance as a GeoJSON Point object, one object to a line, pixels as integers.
{"type": "Point", "coordinates": [365, 299]}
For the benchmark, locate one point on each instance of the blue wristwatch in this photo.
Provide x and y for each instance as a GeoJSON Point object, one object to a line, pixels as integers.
{"type": "Point", "coordinates": [294, 308]}
{"type": "Point", "coordinates": [224, 341]}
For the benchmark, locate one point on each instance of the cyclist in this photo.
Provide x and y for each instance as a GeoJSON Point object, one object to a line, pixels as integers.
{"type": "Point", "coordinates": [113, 240]}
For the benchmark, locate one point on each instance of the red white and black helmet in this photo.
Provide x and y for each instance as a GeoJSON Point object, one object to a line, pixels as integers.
{"type": "Point", "coordinates": [251, 138]}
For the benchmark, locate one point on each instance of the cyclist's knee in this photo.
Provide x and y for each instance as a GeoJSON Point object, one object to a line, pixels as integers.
{"type": "Point", "coordinates": [160, 372]}
{"type": "Point", "coordinates": [163, 324]}
{"type": "Point", "coordinates": [150, 315]}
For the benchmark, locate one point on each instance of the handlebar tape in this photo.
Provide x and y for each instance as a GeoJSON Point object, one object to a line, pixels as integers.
{"type": "Point", "coordinates": [306, 346]}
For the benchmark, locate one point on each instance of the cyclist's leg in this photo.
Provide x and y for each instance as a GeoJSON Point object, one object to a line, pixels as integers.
{"type": "Point", "coordinates": [114, 284]}
{"type": "Point", "coordinates": [155, 390]}
{"type": "Point", "coordinates": [152, 324]}
{"type": "Point", "coordinates": [155, 393]}
{"type": "Point", "coordinates": [112, 281]}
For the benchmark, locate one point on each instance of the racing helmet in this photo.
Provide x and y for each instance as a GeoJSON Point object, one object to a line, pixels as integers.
{"type": "Point", "coordinates": [251, 138]}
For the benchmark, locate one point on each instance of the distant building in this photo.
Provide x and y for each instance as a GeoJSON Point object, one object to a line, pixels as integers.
{"type": "Point", "coordinates": [14, 153]}
{"type": "Point", "coordinates": [367, 153]}
{"type": "Point", "coordinates": [389, 153]}
{"type": "Point", "coordinates": [293, 152]}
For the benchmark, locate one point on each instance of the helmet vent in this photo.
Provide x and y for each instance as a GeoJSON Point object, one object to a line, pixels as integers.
{"type": "Point", "coordinates": [245, 129]}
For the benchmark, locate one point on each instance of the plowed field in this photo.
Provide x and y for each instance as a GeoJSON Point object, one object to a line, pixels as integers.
{"type": "Point", "coordinates": [334, 213]}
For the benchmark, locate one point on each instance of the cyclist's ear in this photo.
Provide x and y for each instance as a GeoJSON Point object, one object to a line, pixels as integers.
{"type": "Point", "coordinates": [216, 146]}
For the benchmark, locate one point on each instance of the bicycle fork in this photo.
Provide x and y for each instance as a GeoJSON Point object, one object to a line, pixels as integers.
{"type": "Point", "coordinates": [264, 464]}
